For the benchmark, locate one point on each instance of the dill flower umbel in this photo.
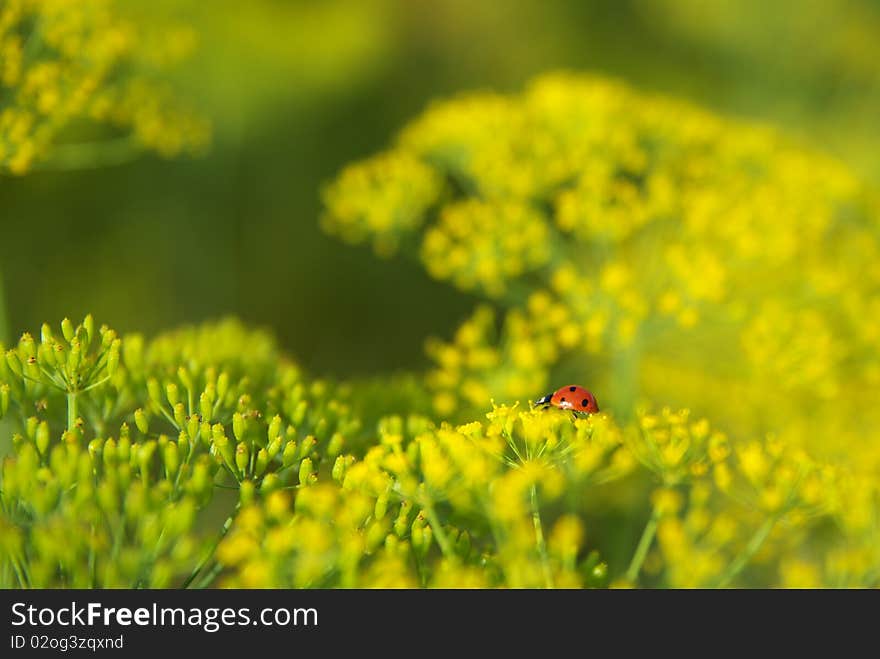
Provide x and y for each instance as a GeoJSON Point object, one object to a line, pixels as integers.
{"type": "Point", "coordinates": [126, 451]}
{"type": "Point", "coordinates": [673, 255]}
{"type": "Point", "coordinates": [69, 63]}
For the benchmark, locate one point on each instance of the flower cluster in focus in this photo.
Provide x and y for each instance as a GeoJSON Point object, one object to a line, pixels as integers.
{"type": "Point", "coordinates": [648, 247]}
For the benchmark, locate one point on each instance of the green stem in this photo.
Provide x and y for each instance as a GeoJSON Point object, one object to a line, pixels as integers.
{"type": "Point", "coordinates": [747, 553]}
{"type": "Point", "coordinates": [539, 539]}
{"type": "Point", "coordinates": [205, 581]}
{"type": "Point", "coordinates": [4, 318]}
{"type": "Point", "coordinates": [201, 566]}
{"type": "Point", "coordinates": [442, 540]}
{"type": "Point", "coordinates": [635, 566]}
{"type": "Point", "coordinates": [19, 572]}
{"type": "Point", "coordinates": [71, 410]}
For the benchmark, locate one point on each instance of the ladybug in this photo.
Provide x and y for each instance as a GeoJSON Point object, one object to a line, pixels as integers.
{"type": "Point", "coordinates": [572, 397]}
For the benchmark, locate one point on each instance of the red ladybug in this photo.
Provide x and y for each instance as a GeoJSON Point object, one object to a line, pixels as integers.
{"type": "Point", "coordinates": [572, 397]}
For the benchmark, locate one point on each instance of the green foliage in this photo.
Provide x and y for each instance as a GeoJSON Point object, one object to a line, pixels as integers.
{"type": "Point", "coordinates": [122, 445]}
{"type": "Point", "coordinates": [130, 452]}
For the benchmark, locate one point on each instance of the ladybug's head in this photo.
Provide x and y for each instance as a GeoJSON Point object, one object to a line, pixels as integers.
{"type": "Point", "coordinates": [544, 400]}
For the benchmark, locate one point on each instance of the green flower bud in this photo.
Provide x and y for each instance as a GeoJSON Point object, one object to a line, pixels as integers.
{"type": "Point", "coordinates": [171, 458]}
{"type": "Point", "coordinates": [180, 415]}
{"type": "Point", "coordinates": [339, 468]}
{"type": "Point", "coordinates": [335, 445]}
{"type": "Point", "coordinates": [67, 330]}
{"type": "Point", "coordinates": [30, 427]}
{"type": "Point", "coordinates": [274, 448]}
{"type": "Point", "coordinates": [416, 537]}
{"type": "Point", "coordinates": [262, 462]}
{"type": "Point", "coordinates": [242, 457]}
{"type": "Point", "coordinates": [4, 400]}
{"type": "Point", "coordinates": [217, 432]}
{"type": "Point", "coordinates": [463, 544]}
{"type": "Point", "coordinates": [205, 432]}
{"type": "Point", "coordinates": [172, 393]}
{"type": "Point", "coordinates": [60, 354]}
{"type": "Point", "coordinates": [154, 392]}
{"type": "Point", "coordinates": [381, 507]}
{"type": "Point", "coordinates": [222, 385]}
{"type": "Point", "coordinates": [109, 454]}
{"type": "Point", "coordinates": [238, 426]}
{"type": "Point", "coordinates": [140, 420]}
{"type": "Point", "coordinates": [274, 430]}
{"type": "Point", "coordinates": [33, 369]}
{"type": "Point", "coordinates": [299, 413]}
{"type": "Point", "coordinates": [14, 363]}
{"type": "Point", "coordinates": [288, 457]}
{"type": "Point", "coordinates": [192, 426]}
{"type": "Point", "coordinates": [96, 448]}
{"type": "Point", "coordinates": [124, 448]}
{"type": "Point", "coordinates": [184, 444]}
{"type": "Point", "coordinates": [46, 355]}
{"type": "Point", "coordinates": [74, 357]}
{"type": "Point", "coordinates": [46, 335]}
{"type": "Point", "coordinates": [270, 483]}
{"type": "Point", "coordinates": [427, 538]}
{"type": "Point", "coordinates": [401, 524]}
{"type": "Point", "coordinates": [27, 346]}
{"type": "Point", "coordinates": [145, 457]}
{"type": "Point", "coordinates": [108, 336]}
{"type": "Point", "coordinates": [224, 448]}
{"type": "Point", "coordinates": [200, 483]}
{"type": "Point", "coordinates": [206, 403]}
{"type": "Point", "coordinates": [321, 428]}
{"type": "Point", "coordinates": [42, 437]}
{"type": "Point", "coordinates": [376, 533]}
{"type": "Point", "coordinates": [246, 492]}
{"type": "Point", "coordinates": [305, 471]}
{"type": "Point", "coordinates": [307, 445]}
{"type": "Point", "coordinates": [185, 378]}
{"type": "Point", "coordinates": [89, 327]}
{"type": "Point", "coordinates": [113, 357]}
{"type": "Point", "coordinates": [394, 546]}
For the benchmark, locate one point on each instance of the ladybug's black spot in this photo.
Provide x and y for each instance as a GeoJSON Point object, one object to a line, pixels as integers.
{"type": "Point", "coordinates": [572, 388]}
{"type": "Point", "coordinates": [563, 399]}
{"type": "Point", "coordinates": [584, 402]}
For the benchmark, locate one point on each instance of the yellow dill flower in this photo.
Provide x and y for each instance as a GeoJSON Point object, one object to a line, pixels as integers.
{"type": "Point", "coordinates": [653, 248]}
{"type": "Point", "coordinates": [90, 61]}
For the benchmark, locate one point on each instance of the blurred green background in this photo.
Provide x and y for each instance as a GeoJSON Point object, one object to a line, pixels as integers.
{"type": "Point", "coordinates": [295, 90]}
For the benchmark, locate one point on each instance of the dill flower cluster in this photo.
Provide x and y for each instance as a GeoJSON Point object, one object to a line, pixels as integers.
{"type": "Point", "coordinates": [122, 445]}
{"type": "Point", "coordinates": [68, 64]}
{"type": "Point", "coordinates": [649, 247]}
{"type": "Point", "coordinates": [126, 454]}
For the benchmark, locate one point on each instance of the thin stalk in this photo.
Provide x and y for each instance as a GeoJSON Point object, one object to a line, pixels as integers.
{"type": "Point", "coordinates": [539, 539]}
{"type": "Point", "coordinates": [19, 572]}
{"type": "Point", "coordinates": [442, 540]}
{"type": "Point", "coordinates": [747, 553]}
{"type": "Point", "coordinates": [4, 318]}
{"type": "Point", "coordinates": [208, 556]}
{"type": "Point", "coordinates": [71, 409]}
{"type": "Point", "coordinates": [205, 581]}
{"type": "Point", "coordinates": [635, 566]}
